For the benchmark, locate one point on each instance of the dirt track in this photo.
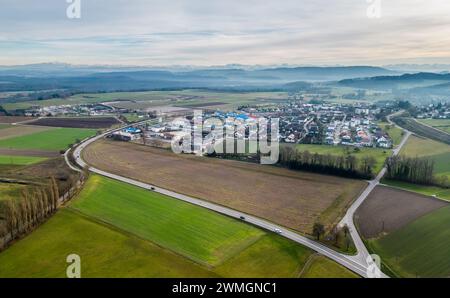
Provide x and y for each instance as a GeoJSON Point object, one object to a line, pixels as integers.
{"type": "Point", "coordinates": [94, 122]}
{"type": "Point", "coordinates": [293, 199]}
{"type": "Point", "coordinates": [393, 209]}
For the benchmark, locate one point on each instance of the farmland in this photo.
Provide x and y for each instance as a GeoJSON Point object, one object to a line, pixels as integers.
{"type": "Point", "coordinates": [380, 155]}
{"type": "Point", "coordinates": [19, 160]}
{"type": "Point", "coordinates": [419, 249]}
{"type": "Point", "coordinates": [20, 130]}
{"type": "Point", "coordinates": [148, 99]}
{"type": "Point", "coordinates": [77, 122]}
{"type": "Point", "coordinates": [423, 130]}
{"type": "Point", "coordinates": [441, 124]}
{"type": "Point", "coordinates": [387, 210]}
{"type": "Point", "coordinates": [301, 198]}
{"type": "Point", "coordinates": [51, 140]}
{"type": "Point", "coordinates": [194, 232]}
{"type": "Point", "coordinates": [439, 152]}
{"type": "Point", "coordinates": [110, 248]}
{"type": "Point", "coordinates": [440, 192]}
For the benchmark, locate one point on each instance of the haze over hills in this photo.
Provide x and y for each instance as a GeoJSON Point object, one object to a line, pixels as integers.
{"type": "Point", "coordinates": [107, 78]}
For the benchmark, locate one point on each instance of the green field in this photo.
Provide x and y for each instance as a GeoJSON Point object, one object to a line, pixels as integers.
{"type": "Point", "coordinates": [322, 267]}
{"type": "Point", "coordinates": [19, 160]}
{"type": "Point", "coordinates": [380, 155]}
{"type": "Point", "coordinates": [439, 152]}
{"type": "Point", "coordinates": [442, 193]}
{"type": "Point", "coordinates": [104, 252]}
{"type": "Point", "coordinates": [394, 132]}
{"type": "Point", "coordinates": [50, 140]}
{"type": "Point", "coordinates": [191, 231]}
{"type": "Point", "coordinates": [421, 248]}
{"type": "Point", "coordinates": [113, 242]}
{"type": "Point", "coordinates": [441, 124]}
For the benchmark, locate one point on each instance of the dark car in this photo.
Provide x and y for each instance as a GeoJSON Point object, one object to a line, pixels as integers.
{"type": "Point", "coordinates": [242, 217]}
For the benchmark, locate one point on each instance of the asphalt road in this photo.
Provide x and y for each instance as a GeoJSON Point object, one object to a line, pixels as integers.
{"type": "Point", "coordinates": [356, 263]}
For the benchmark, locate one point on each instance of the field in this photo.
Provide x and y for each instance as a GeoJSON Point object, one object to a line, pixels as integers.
{"type": "Point", "coordinates": [78, 122]}
{"type": "Point", "coordinates": [104, 252]}
{"type": "Point", "coordinates": [442, 193]}
{"type": "Point", "coordinates": [290, 198]}
{"type": "Point", "coordinates": [380, 155]}
{"type": "Point", "coordinates": [13, 119]}
{"type": "Point", "coordinates": [51, 140]}
{"type": "Point", "coordinates": [419, 249]}
{"type": "Point", "coordinates": [321, 267]}
{"type": "Point", "coordinates": [112, 249]}
{"type": "Point", "coordinates": [387, 210]}
{"type": "Point", "coordinates": [439, 152]}
{"type": "Point", "coordinates": [148, 99]}
{"type": "Point", "coordinates": [20, 130]}
{"type": "Point", "coordinates": [394, 132]}
{"type": "Point", "coordinates": [193, 232]}
{"type": "Point", "coordinates": [423, 130]}
{"type": "Point", "coordinates": [19, 160]}
{"type": "Point", "coordinates": [441, 124]}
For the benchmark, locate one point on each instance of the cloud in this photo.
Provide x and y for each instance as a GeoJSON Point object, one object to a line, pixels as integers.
{"type": "Point", "coordinates": [212, 32]}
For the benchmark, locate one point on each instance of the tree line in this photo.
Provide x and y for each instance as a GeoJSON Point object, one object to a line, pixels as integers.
{"type": "Point", "coordinates": [411, 169]}
{"type": "Point", "coordinates": [34, 205]}
{"type": "Point", "coordinates": [340, 165]}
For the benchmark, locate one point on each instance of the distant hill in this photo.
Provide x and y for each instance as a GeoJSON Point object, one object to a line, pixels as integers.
{"type": "Point", "coordinates": [103, 78]}
{"type": "Point", "coordinates": [402, 82]}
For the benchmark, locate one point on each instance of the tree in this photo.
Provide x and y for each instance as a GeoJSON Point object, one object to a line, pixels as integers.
{"type": "Point", "coordinates": [346, 230]}
{"type": "Point", "coordinates": [318, 230]}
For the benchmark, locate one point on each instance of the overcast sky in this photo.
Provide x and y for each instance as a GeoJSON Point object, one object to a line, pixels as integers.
{"type": "Point", "coordinates": [213, 32]}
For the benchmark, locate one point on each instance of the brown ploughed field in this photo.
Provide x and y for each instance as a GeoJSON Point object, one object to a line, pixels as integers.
{"type": "Point", "coordinates": [388, 209]}
{"type": "Point", "coordinates": [290, 198]}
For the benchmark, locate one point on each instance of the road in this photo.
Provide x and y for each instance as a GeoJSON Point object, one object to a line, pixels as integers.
{"type": "Point", "coordinates": [348, 219]}
{"type": "Point", "coordinates": [355, 263]}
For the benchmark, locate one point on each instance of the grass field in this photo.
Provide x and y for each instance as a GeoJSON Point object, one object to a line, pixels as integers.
{"type": "Point", "coordinates": [380, 155]}
{"type": "Point", "coordinates": [194, 232]}
{"type": "Point", "coordinates": [422, 248]}
{"type": "Point", "coordinates": [19, 160]}
{"type": "Point", "coordinates": [439, 152]}
{"type": "Point", "coordinates": [442, 193]}
{"type": "Point", "coordinates": [290, 198]}
{"type": "Point", "coordinates": [50, 140]}
{"type": "Point", "coordinates": [108, 250]}
{"type": "Point", "coordinates": [104, 252]}
{"type": "Point", "coordinates": [394, 132]}
{"type": "Point", "coordinates": [441, 124]}
{"type": "Point", "coordinates": [322, 267]}
{"type": "Point", "coordinates": [20, 130]}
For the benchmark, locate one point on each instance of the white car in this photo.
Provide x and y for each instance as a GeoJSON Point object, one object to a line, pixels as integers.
{"type": "Point", "coordinates": [278, 231]}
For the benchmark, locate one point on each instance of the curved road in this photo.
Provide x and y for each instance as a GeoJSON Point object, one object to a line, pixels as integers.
{"type": "Point", "coordinates": [356, 263]}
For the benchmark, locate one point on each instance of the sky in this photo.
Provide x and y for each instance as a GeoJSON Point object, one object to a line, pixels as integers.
{"type": "Point", "coordinates": [213, 32]}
